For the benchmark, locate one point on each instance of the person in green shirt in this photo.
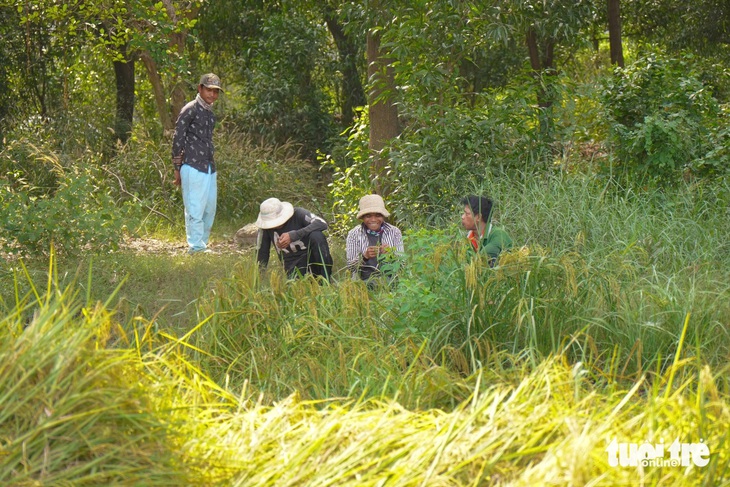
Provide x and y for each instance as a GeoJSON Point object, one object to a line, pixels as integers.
{"type": "Point", "coordinates": [477, 221]}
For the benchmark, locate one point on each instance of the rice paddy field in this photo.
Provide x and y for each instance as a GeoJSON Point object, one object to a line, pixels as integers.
{"type": "Point", "coordinates": [596, 353]}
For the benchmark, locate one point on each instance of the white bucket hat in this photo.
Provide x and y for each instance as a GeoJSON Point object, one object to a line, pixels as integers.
{"type": "Point", "coordinates": [274, 213]}
{"type": "Point", "coordinates": [372, 203]}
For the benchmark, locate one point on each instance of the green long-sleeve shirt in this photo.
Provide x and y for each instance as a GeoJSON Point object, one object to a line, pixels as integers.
{"type": "Point", "coordinates": [493, 243]}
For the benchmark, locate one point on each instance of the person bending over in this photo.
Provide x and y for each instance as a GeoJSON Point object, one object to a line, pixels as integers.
{"type": "Point", "coordinates": [297, 237]}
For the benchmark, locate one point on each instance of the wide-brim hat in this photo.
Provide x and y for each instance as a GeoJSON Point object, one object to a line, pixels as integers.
{"type": "Point", "coordinates": [274, 213]}
{"type": "Point", "coordinates": [372, 203]}
{"type": "Point", "coordinates": [211, 80]}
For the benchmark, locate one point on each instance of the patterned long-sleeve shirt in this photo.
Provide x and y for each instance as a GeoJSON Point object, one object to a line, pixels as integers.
{"type": "Point", "coordinates": [358, 242]}
{"type": "Point", "coordinates": [193, 137]}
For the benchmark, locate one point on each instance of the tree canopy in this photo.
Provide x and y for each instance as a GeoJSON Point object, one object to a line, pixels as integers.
{"type": "Point", "coordinates": [535, 78]}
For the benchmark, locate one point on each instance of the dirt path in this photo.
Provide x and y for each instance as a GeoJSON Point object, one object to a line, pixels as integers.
{"type": "Point", "coordinates": [156, 246]}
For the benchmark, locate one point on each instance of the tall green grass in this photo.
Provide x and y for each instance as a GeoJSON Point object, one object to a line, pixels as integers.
{"type": "Point", "coordinates": [607, 270]}
{"type": "Point", "coordinates": [593, 285]}
{"type": "Point", "coordinates": [457, 374]}
{"type": "Point", "coordinates": [318, 341]}
{"type": "Point", "coordinates": [77, 411]}
{"type": "Point", "coordinates": [74, 411]}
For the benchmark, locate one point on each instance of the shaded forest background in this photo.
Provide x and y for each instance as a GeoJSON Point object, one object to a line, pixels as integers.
{"type": "Point", "coordinates": [418, 100]}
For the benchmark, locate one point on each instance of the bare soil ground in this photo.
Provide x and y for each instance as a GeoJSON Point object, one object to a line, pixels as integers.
{"type": "Point", "coordinates": [148, 245]}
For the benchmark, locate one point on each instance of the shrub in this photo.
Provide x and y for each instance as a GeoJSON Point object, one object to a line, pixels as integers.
{"type": "Point", "coordinates": [79, 214]}
{"type": "Point", "coordinates": [27, 167]}
{"type": "Point", "coordinates": [349, 166]}
{"type": "Point", "coordinates": [287, 97]}
{"type": "Point", "coordinates": [46, 202]}
{"type": "Point", "coordinates": [663, 119]}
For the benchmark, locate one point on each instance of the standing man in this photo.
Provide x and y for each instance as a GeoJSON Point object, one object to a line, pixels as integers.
{"type": "Point", "coordinates": [192, 157]}
{"type": "Point", "coordinates": [483, 237]}
{"type": "Point", "coordinates": [297, 237]}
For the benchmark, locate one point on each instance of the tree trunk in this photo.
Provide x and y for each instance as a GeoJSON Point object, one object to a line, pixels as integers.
{"type": "Point", "coordinates": [353, 94]}
{"type": "Point", "coordinates": [542, 65]}
{"type": "Point", "coordinates": [614, 33]}
{"type": "Point", "coordinates": [543, 72]}
{"type": "Point", "coordinates": [383, 112]}
{"type": "Point", "coordinates": [179, 94]}
{"type": "Point", "coordinates": [124, 75]}
{"type": "Point", "coordinates": [159, 91]}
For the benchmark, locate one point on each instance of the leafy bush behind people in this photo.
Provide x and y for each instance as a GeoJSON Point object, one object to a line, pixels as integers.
{"type": "Point", "coordinates": [445, 150]}
{"type": "Point", "coordinates": [665, 122]}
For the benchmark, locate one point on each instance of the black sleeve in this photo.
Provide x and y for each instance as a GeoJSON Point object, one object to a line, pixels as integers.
{"type": "Point", "coordinates": [264, 248]}
{"type": "Point", "coordinates": [184, 120]}
{"type": "Point", "coordinates": [307, 222]}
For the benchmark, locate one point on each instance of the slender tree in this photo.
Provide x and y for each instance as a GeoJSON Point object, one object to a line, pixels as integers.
{"type": "Point", "coordinates": [125, 81]}
{"type": "Point", "coordinates": [547, 27]}
{"type": "Point", "coordinates": [614, 32]}
{"type": "Point", "coordinates": [353, 94]}
{"type": "Point", "coordinates": [383, 111]}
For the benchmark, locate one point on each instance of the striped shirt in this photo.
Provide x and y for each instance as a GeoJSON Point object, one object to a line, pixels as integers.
{"type": "Point", "coordinates": [357, 243]}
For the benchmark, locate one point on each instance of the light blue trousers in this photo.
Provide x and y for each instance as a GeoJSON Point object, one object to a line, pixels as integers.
{"type": "Point", "coordinates": [200, 192]}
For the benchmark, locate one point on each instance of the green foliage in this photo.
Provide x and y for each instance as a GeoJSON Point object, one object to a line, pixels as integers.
{"type": "Point", "coordinates": [251, 173]}
{"type": "Point", "coordinates": [79, 213]}
{"type": "Point", "coordinates": [45, 202]}
{"type": "Point", "coordinates": [349, 167]}
{"type": "Point", "coordinates": [29, 168]}
{"type": "Point", "coordinates": [428, 291]}
{"type": "Point", "coordinates": [716, 161]}
{"type": "Point", "coordinates": [73, 123]}
{"type": "Point", "coordinates": [287, 95]}
{"type": "Point", "coordinates": [663, 118]}
{"type": "Point", "coordinates": [452, 150]}
{"type": "Point", "coordinates": [141, 173]}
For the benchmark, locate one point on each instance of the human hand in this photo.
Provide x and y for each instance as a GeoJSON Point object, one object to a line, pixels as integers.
{"type": "Point", "coordinates": [177, 164]}
{"type": "Point", "coordinates": [284, 241]}
{"type": "Point", "coordinates": [371, 252]}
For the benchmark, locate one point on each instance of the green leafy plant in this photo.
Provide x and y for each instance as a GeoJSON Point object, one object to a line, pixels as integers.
{"type": "Point", "coordinates": [289, 97]}
{"type": "Point", "coordinates": [49, 202]}
{"type": "Point", "coordinates": [349, 167]}
{"type": "Point", "coordinates": [79, 214]}
{"type": "Point", "coordinates": [662, 116]}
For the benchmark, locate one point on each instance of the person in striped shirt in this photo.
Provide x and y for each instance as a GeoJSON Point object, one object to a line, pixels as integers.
{"type": "Point", "coordinates": [370, 242]}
